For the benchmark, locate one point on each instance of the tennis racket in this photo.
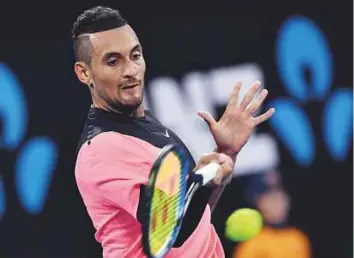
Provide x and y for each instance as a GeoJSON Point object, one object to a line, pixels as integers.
{"type": "Point", "coordinates": [168, 197]}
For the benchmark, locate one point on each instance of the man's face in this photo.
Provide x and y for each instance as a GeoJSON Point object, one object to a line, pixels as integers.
{"type": "Point", "coordinates": [118, 68]}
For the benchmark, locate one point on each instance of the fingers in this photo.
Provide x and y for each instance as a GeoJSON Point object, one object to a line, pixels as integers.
{"type": "Point", "coordinates": [206, 159]}
{"type": "Point", "coordinates": [234, 95]}
{"type": "Point", "coordinates": [208, 118]}
{"type": "Point", "coordinates": [219, 177]}
{"type": "Point", "coordinates": [225, 172]}
{"type": "Point", "coordinates": [226, 166]}
{"type": "Point", "coordinates": [250, 94]}
{"type": "Point", "coordinates": [260, 119]}
{"type": "Point", "coordinates": [226, 163]}
{"type": "Point", "coordinates": [255, 104]}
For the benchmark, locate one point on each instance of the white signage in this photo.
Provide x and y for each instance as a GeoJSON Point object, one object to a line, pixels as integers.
{"type": "Point", "coordinates": [176, 103]}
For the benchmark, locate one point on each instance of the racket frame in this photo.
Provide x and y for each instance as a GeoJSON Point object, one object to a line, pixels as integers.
{"type": "Point", "coordinates": [186, 169]}
{"type": "Point", "coordinates": [199, 178]}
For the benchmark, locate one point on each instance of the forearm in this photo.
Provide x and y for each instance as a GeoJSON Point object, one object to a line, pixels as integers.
{"type": "Point", "coordinates": [219, 189]}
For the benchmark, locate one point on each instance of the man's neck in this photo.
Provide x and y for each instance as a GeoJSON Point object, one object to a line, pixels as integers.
{"type": "Point", "coordinates": [138, 112]}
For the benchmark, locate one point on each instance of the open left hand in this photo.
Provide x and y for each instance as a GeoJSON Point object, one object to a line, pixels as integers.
{"type": "Point", "coordinates": [236, 125]}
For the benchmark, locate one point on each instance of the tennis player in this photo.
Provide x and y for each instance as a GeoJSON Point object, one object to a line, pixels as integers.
{"type": "Point", "coordinates": [121, 140]}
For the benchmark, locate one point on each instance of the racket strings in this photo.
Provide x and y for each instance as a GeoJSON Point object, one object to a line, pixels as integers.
{"type": "Point", "coordinates": [163, 223]}
{"type": "Point", "coordinates": [168, 189]}
{"type": "Point", "coordinates": [165, 212]}
{"type": "Point", "coordinates": [164, 209]}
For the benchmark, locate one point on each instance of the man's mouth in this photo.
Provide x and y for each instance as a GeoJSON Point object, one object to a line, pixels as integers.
{"type": "Point", "coordinates": [130, 86]}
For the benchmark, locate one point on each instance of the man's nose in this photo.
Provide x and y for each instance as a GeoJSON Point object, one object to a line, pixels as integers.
{"type": "Point", "coordinates": [130, 69]}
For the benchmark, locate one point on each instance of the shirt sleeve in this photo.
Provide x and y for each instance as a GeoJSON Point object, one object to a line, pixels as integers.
{"type": "Point", "coordinates": [113, 167]}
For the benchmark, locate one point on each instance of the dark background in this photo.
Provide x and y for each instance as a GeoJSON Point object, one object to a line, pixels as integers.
{"type": "Point", "coordinates": [177, 38]}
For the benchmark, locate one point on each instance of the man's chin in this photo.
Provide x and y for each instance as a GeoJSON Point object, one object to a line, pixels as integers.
{"type": "Point", "coordinates": [132, 103]}
{"type": "Point", "coordinates": [127, 108]}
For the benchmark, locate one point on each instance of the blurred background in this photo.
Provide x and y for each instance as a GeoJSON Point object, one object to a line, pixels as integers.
{"type": "Point", "coordinates": [296, 169]}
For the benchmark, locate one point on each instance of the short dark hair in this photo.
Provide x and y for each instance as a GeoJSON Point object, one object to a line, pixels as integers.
{"type": "Point", "coordinates": [96, 19]}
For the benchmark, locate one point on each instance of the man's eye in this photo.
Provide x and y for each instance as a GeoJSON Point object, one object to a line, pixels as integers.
{"type": "Point", "coordinates": [112, 62]}
{"type": "Point", "coordinates": [136, 56]}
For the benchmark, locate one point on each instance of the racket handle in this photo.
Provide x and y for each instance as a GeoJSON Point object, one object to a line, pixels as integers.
{"type": "Point", "coordinates": [208, 172]}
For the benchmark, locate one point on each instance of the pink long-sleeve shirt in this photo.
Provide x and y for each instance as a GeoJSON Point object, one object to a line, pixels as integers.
{"type": "Point", "coordinates": [110, 168]}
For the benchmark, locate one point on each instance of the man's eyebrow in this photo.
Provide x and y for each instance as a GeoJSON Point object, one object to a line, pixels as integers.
{"type": "Point", "coordinates": [136, 47]}
{"type": "Point", "coordinates": [113, 53]}
{"type": "Point", "coordinates": [110, 54]}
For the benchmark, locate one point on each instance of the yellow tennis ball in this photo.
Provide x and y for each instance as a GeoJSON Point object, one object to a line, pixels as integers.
{"type": "Point", "coordinates": [243, 224]}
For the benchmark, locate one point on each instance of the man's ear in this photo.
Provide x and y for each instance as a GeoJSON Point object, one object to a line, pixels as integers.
{"type": "Point", "coordinates": [83, 73]}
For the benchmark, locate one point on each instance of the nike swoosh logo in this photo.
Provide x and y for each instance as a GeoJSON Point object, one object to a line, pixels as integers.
{"type": "Point", "coordinates": [166, 134]}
